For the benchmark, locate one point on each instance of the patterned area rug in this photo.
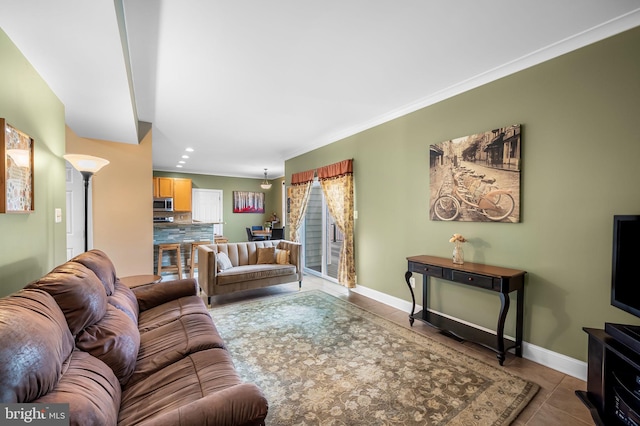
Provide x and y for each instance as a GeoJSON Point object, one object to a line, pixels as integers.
{"type": "Point", "coordinates": [323, 361]}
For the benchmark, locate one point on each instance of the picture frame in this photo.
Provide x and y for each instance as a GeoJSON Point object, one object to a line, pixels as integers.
{"type": "Point", "coordinates": [476, 178]}
{"type": "Point", "coordinates": [16, 170]}
{"type": "Point", "coordinates": [248, 202]}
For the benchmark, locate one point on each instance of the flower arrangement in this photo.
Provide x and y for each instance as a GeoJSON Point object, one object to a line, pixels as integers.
{"type": "Point", "coordinates": [458, 254]}
{"type": "Point", "coordinates": [457, 238]}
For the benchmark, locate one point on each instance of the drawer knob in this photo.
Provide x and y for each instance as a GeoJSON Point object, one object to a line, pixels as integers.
{"type": "Point", "coordinates": [470, 279]}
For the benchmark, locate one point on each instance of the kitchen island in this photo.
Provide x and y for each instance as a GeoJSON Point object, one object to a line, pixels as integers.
{"type": "Point", "coordinates": [183, 233]}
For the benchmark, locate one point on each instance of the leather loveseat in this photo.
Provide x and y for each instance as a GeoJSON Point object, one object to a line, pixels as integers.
{"type": "Point", "coordinates": [226, 268]}
{"type": "Point", "coordinates": [144, 356]}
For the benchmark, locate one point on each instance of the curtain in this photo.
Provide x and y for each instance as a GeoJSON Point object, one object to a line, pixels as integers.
{"type": "Point", "coordinates": [299, 198]}
{"type": "Point", "coordinates": [336, 181]}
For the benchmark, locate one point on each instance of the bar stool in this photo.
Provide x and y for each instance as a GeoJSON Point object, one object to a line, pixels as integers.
{"type": "Point", "coordinates": [194, 251]}
{"type": "Point", "coordinates": [177, 267]}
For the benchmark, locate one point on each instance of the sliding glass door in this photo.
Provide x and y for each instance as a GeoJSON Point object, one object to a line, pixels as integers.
{"type": "Point", "coordinates": [321, 237]}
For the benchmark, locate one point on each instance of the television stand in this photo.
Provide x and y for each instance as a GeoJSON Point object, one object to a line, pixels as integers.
{"type": "Point", "coordinates": [492, 278]}
{"type": "Point", "coordinates": [628, 335]}
{"type": "Point", "coordinates": [613, 375]}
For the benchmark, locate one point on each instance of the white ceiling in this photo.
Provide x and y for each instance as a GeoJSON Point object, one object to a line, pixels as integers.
{"type": "Point", "coordinates": [249, 84]}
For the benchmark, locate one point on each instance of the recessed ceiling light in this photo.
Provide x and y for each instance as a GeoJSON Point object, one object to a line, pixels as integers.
{"type": "Point", "coordinates": [181, 162]}
{"type": "Point", "coordinates": [189, 149]}
{"type": "Point", "coordinates": [185, 156]}
{"type": "Point", "coordinates": [179, 166]}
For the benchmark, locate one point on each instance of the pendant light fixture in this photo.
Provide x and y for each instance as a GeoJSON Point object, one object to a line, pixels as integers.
{"type": "Point", "coordinates": [265, 183]}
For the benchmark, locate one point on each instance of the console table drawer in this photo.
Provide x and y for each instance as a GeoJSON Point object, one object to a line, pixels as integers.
{"type": "Point", "coordinates": [482, 281]}
{"type": "Point", "coordinates": [430, 270]}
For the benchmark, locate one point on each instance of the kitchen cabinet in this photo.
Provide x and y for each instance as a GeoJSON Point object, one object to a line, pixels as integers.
{"type": "Point", "coordinates": [162, 187]}
{"type": "Point", "coordinates": [181, 195]}
{"type": "Point", "coordinates": [177, 188]}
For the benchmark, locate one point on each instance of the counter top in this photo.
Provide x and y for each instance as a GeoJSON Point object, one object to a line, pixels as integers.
{"type": "Point", "coordinates": [181, 224]}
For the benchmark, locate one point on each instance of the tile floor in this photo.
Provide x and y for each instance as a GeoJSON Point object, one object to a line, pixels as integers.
{"type": "Point", "coordinates": [554, 404]}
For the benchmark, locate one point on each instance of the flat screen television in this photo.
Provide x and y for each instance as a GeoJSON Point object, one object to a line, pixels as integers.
{"type": "Point", "coordinates": [625, 273]}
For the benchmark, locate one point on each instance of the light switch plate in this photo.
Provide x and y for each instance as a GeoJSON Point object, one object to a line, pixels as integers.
{"type": "Point", "coordinates": [58, 215]}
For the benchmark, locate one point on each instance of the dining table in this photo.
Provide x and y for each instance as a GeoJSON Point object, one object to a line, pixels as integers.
{"type": "Point", "coordinates": [266, 233]}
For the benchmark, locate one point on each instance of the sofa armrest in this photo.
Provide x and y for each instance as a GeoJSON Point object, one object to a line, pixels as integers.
{"type": "Point", "coordinates": [243, 404]}
{"type": "Point", "coordinates": [295, 255]}
{"type": "Point", "coordinates": [207, 266]}
{"type": "Point", "coordinates": [158, 293]}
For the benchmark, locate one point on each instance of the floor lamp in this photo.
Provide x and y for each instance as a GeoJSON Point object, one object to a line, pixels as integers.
{"type": "Point", "coordinates": [87, 165]}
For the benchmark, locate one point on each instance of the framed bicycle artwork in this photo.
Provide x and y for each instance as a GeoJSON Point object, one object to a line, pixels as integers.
{"type": "Point", "coordinates": [476, 178]}
{"type": "Point", "coordinates": [16, 170]}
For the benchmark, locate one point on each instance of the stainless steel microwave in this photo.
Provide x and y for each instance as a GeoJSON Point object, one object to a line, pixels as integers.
{"type": "Point", "coordinates": [163, 204]}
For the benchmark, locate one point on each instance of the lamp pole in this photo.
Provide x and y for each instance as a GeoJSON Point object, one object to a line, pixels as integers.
{"type": "Point", "coordinates": [85, 177]}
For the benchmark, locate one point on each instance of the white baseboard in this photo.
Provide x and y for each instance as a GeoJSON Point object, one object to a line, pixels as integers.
{"type": "Point", "coordinates": [538, 354]}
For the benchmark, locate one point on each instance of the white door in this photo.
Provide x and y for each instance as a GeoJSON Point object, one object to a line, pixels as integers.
{"type": "Point", "coordinates": [75, 212]}
{"type": "Point", "coordinates": [207, 207]}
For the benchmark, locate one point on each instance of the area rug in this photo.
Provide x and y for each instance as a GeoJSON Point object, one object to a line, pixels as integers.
{"type": "Point", "coordinates": [324, 361]}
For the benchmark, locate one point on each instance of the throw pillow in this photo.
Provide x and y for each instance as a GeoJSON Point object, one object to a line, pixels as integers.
{"type": "Point", "coordinates": [266, 255]}
{"type": "Point", "coordinates": [282, 257]}
{"type": "Point", "coordinates": [223, 261]}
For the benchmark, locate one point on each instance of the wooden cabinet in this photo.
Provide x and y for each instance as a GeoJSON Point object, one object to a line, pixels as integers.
{"type": "Point", "coordinates": [613, 375]}
{"type": "Point", "coordinates": [182, 195]}
{"type": "Point", "coordinates": [176, 188]}
{"type": "Point", "coordinates": [163, 187]}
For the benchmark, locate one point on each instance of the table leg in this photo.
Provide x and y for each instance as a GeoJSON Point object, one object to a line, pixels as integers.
{"type": "Point", "coordinates": [504, 308]}
{"type": "Point", "coordinates": [407, 276]}
{"type": "Point", "coordinates": [519, 320]}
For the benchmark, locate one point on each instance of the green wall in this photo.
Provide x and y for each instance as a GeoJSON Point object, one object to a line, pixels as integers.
{"type": "Point", "coordinates": [580, 149]}
{"type": "Point", "coordinates": [235, 223]}
{"type": "Point", "coordinates": [32, 244]}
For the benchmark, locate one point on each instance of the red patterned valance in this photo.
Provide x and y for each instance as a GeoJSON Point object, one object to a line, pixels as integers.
{"type": "Point", "coordinates": [342, 168]}
{"type": "Point", "coordinates": [302, 177]}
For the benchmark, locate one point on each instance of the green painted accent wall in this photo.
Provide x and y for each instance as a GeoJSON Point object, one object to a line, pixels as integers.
{"type": "Point", "coordinates": [235, 223]}
{"type": "Point", "coordinates": [580, 150]}
{"type": "Point", "coordinates": [32, 244]}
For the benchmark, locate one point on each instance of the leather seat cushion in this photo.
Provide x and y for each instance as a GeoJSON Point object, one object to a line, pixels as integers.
{"type": "Point", "coordinates": [173, 341]}
{"type": "Point", "coordinates": [169, 312]}
{"type": "Point", "coordinates": [178, 384]}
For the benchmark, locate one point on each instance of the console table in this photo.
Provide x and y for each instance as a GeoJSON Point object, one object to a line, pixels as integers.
{"type": "Point", "coordinates": [493, 278]}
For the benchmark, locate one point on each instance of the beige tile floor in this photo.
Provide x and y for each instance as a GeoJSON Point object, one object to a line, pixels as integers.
{"type": "Point", "coordinates": [554, 404]}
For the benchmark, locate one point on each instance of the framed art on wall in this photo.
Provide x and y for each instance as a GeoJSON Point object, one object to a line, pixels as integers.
{"type": "Point", "coordinates": [248, 202]}
{"type": "Point", "coordinates": [476, 178]}
{"type": "Point", "coordinates": [16, 170]}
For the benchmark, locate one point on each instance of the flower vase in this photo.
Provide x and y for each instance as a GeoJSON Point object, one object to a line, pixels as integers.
{"type": "Point", "coordinates": [458, 254]}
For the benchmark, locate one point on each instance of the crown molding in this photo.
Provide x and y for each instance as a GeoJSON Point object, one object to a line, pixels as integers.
{"type": "Point", "coordinates": [592, 35]}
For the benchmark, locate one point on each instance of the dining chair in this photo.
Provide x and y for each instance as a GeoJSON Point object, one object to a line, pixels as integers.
{"type": "Point", "coordinates": [252, 237]}
{"type": "Point", "coordinates": [277, 233]}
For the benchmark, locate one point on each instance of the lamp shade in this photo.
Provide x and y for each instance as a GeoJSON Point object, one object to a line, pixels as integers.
{"type": "Point", "coordinates": [86, 163]}
{"type": "Point", "coordinates": [265, 183]}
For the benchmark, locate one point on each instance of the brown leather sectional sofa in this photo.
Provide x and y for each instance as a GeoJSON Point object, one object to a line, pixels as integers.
{"type": "Point", "coordinates": [144, 356]}
{"type": "Point", "coordinates": [246, 269]}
